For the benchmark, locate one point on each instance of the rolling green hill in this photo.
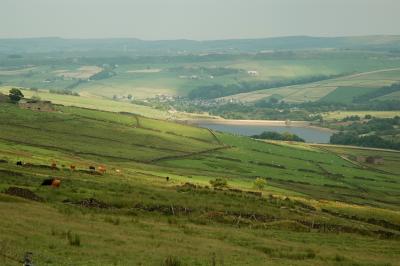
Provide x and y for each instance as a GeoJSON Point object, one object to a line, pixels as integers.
{"type": "Point", "coordinates": [318, 90]}
{"type": "Point", "coordinates": [319, 206]}
{"type": "Point", "coordinates": [137, 46]}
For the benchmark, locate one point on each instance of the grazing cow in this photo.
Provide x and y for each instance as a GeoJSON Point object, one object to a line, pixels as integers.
{"type": "Point", "coordinates": [56, 183]}
{"type": "Point", "coordinates": [92, 168]}
{"type": "Point", "coordinates": [118, 171]}
{"type": "Point", "coordinates": [54, 165]}
{"type": "Point", "coordinates": [19, 163]}
{"type": "Point", "coordinates": [72, 167]}
{"type": "Point", "coordinates": [102, 169]}
{"type": "Point", "coordinates": [167, 178]}
{"type": "Point", "coordinates": [47, 182]}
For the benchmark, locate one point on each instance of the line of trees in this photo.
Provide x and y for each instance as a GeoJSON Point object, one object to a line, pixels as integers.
{"type": "Point", "coordinates": [278, 136]}
{"type": "Point", "coordinates": [376, 133]}
{"type": "Point", "coordinates": [218, 90]}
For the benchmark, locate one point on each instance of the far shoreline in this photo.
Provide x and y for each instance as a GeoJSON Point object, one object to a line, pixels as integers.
{"type": "Point", "coordinates": [248, 122]}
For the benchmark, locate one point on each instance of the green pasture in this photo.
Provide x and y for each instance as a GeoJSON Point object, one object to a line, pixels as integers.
{"type": "Point", "coordinates": [318, 208]}
{"type": "Point", "coordinates": [328, 88]}
{"type": "Point", "coordinates": [343, 114]}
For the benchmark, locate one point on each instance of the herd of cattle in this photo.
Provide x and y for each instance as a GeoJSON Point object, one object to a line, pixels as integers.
{"type": "Point", "coordinates": [55, 182]}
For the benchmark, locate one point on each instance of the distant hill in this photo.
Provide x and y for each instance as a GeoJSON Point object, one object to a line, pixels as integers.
{"type": "Point", "coordinates": [137, 46]}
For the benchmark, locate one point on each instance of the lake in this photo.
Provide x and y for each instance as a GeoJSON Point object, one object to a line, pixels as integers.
{"type": "Point", "coordinates": [309, 134]}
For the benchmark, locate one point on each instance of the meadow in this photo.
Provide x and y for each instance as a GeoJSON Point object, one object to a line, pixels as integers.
{"type": "Point", "coordinates": [336, 89]}
{"type": "Point", "coordinates": [318, 207]}
{"type": "Point", "coordinates": [342, 114]}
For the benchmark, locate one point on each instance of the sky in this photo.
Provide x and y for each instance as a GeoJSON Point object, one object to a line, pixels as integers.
{"type": "Point", "coordinates": [197, 19]}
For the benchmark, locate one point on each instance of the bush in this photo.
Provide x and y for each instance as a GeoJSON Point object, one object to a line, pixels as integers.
{"type": "Point", "coordinates": [260, 183]}
{"type": "Point", "coordinates": [73, 239]}
{"type": "Point", "coordinates": [172, 261]}
{"type": "Point", "coordinates": [111, 220]}
{"type": "Point", "coordinates": [219, 183]}
{"type": "Point", "coordinates": [278, 136]}
{"type": "Point", "coordinates": [15, 95]}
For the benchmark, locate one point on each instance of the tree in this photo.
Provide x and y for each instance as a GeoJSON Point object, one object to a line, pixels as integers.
{"type": "Point", "coordinates": [260, 183]}
{"type": "Point", "coordinates": [15, 95]}
{"type": "Point", "coordinates": [35, 98]}
{"type": "Point", "coordinates": [273, 100]}
{"type": "Point", "coordinates": [129, 96]}
{"type": "Point", "coordinates": [219, 183]}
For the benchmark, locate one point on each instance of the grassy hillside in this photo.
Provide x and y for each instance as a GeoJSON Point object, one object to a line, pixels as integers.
{"type": "Point", "coordinates": [94, 102]}
{"type": "Point", "coordinates": [137, 46]}
{"type": "Point", "coordinates": [337, 88]}
{"type": "Point", "coordinates": [318, 207]}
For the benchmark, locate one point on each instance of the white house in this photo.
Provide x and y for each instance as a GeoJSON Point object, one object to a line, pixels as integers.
{"type": "Point", "coordinates": [252, 73]}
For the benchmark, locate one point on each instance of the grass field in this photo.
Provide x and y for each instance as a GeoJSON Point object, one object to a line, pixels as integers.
{"type": "Point", "coordinates": [95, 102]}
{"type": "Point", "coordinates": [318, 207]}
{"type": "Point", "coordinates": [177, 75]}
{"type": "Point", "coordinates": [342, 114]}
{"type": "Point", "coordinates": [345, 94]}
{"type": "Point", "coordinates": [337, 87]}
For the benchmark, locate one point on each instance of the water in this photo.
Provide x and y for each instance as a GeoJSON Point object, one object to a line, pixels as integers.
{"type": "Point", "coordinates": [309, 134]}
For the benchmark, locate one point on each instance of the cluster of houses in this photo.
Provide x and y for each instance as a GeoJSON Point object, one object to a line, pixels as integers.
{"type": "Point", "coordinates": [252, 73]}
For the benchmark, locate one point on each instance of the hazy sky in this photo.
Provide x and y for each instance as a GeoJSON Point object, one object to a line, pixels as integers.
{"type": "Point", "coordinates": [197, 19]}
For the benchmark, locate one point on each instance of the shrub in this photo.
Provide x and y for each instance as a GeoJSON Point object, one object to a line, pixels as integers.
{"type": "Point", "coordinates": [15, 95]}
{"type": "Point", "coordinates": [172, 261]}
{"type": "Point", "coordinates": [73, 239]}
{"type": "Point", "coordinates": [219, 183]}
{"type": "Point", "coordinates": [260, 183]}
{"type": "Point", "coordinates": [111, 220]}
{"type": "Point", "coordinates": [339, 258]}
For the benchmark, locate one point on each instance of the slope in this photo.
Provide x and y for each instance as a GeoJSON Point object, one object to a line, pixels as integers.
{"type": "Point", "coordinates": [318, 208]}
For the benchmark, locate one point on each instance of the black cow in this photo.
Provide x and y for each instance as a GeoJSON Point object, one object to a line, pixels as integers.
{"type": "Point", "coordinates": [167, 178]}
{"type": "Point", "coordinates": [19, 163]}
{"type": "Point", "coordinates": [92, 168]}
{"type": "Point", "coordinates": [47, 182]}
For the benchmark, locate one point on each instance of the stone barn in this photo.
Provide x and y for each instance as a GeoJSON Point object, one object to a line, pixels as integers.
{"type": "Point", "coordinates": [374, 160]}
{"type": "Point", "coordinates": [41, 106]}
{"type": "Point", "coordinates": [369, 159]}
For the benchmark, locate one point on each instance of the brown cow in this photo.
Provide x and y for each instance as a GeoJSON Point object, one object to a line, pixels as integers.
{"type": "Point", "coordinates": [56, 183]}
{"type": "Point", "coordinates": [54, 165]}
{"type": "Point", "coordinates": [102, 169]}
{"type": "Point", "coordinates": [72, 167]}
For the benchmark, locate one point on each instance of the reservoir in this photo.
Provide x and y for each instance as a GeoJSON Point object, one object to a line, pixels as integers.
{"type": "Point", "coordinates": [309, 134]}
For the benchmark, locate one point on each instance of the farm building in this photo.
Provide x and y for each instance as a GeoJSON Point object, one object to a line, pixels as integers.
{"type": "Point", "coordinates": [42, 106]}
{"type": "Point", "coordinates": [252, 73]}
{"type": "Point", "coordinates": [374, 160]}
{"type": "Point", "coordinates": [361, 159]}
{"type": "Point", "coordinates": [369, 159]}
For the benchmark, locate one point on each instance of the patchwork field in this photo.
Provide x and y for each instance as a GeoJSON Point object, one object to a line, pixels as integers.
{"type": "Point", "coordinates": [83, 72]}
{"type": "Point", "coordinates": [318, 207]}
{"type": "Point", "coordinates": [176, 75]}
{"type": "Point", "coordinates": [337, 88]}
{"type": "Point", "coordinates": [342, 114]}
